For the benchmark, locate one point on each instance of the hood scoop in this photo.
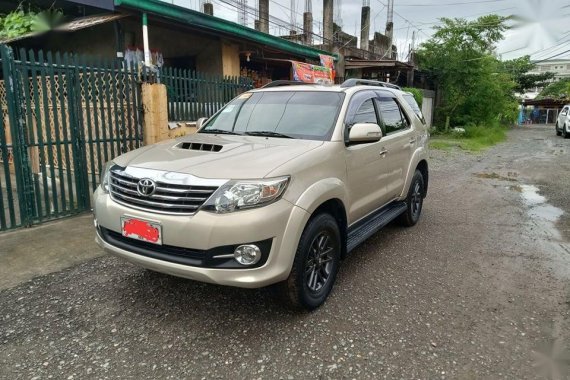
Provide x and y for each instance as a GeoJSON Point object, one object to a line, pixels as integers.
{"type": "Point", "coordinates": [200, 146]}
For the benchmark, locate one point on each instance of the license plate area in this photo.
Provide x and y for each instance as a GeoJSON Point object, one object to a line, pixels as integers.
{"type": "Point", "coordinates": [140, 229]}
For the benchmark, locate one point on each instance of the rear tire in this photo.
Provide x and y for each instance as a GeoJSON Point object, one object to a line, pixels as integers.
{"type": "Point", "coordinates": [316, 265]}
{"type": "Point", "coordinates": [565, 132]}
{"type": "Point", "coordinates": [414, 201]}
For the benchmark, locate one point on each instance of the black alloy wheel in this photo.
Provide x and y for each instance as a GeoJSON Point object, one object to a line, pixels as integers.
{"type": "Point", "coordinates": [315, 266]}
{"type": "Point", "coordinates": [414, 201]}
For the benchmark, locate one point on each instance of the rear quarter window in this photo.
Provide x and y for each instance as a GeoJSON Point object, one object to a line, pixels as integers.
{"type": "Point", "coordinates": [409, 98]}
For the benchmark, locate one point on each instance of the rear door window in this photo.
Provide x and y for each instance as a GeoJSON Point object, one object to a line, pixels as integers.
{"type": "Point", "coordinates": [392, 115]}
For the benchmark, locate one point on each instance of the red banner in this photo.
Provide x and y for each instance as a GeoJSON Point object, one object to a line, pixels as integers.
{"type": "Point", "coordinates": [327, 61]}
{"type": "Point", "coordinates": [305, 72]}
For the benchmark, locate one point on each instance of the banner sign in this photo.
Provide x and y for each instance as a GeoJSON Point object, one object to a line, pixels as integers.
{"type": "Point", "coordinates": [305, 72]}
{"type": "Point", "coordinates": [327, 61]}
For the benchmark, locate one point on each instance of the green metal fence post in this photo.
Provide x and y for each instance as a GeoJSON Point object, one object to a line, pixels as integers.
{"type": "Point", "coordinates": [78, 138]}
{"type": "Point", "coordinates": [24, 180]}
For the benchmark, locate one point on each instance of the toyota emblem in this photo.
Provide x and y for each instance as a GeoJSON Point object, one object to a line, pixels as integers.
{"type": "Point", "coordinates": [146, 187]}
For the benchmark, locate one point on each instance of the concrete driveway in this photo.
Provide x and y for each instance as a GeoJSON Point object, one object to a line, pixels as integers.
{"type": "Point", "coordinates": [480, 288]}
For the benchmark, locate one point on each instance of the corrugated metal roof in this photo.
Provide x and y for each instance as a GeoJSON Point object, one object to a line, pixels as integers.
{"type": "Point", "coordinates": [77, 24]}
{"type": "Point", "coordinates": [364, 64]}
{"type": "Point", "coordinates": [86, 22]}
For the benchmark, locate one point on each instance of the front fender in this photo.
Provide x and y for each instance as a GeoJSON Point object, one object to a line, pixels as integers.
{"type": "Point", "coordinates": [320, 192]}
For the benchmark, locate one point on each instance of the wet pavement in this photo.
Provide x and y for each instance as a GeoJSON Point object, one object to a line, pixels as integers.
{"type": "Point", "coordinates": [480, 288]}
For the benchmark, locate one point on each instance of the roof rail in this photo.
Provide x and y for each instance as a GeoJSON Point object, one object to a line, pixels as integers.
{"type": "Point", "coordinates": [279, 83]}
{"type": "Point", "coordinates": [355, 82]}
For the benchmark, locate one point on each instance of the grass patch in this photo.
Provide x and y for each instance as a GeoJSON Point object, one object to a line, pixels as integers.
{"type": "Point", "coordinates": [474, 139]}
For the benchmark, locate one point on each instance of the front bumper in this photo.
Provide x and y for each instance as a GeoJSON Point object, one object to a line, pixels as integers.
{"type": "Point", "coordinates": [280, 223]}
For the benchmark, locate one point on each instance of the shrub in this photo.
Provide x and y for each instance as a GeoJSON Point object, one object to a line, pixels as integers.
{"type": "Point", "coordinates": [418, 94]}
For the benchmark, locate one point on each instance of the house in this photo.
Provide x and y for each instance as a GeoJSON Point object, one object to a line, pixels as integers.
{"type": "Point", "coordinates": [560, 67]}
{"type": "Point", "coordinates": [178, 37]}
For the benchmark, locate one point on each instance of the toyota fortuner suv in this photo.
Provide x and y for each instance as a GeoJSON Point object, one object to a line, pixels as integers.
{"type": "Point", "coordinates": [274, 189]}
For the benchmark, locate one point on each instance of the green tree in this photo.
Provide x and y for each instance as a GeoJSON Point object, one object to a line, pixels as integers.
{"type": "Point", "coordinates": [472, 85]}
{"type": "Point", "coordinates": [556, 90]}
{"type": "Point", "coordinates": [519, 69]}
{"type": "Point", "coordinates": [20, 21]}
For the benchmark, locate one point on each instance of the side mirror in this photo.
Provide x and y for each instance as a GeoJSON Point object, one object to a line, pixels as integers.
{"type": "Point", "coordinates": [200, 122]}
{"type": "Point", "coordinates": [364, 133]}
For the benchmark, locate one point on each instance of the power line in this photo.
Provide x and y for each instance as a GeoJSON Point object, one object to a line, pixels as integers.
{"type": "Point", "coordinates": [448, 4]}
{"type": "Point", "coordinates": [554, 56]}
{"type": "Point", "coordinates": [466, 16]}
{"type": "Point", "coordinates": [551, 49]}
{"type": "Point", "coordinates": [272, 19]}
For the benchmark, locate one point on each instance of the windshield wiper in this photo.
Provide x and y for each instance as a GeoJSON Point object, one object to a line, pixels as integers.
{"type": "Point", "coordinates": [268, 134]}
{"type": "Point", "coordinates": [219, 131]}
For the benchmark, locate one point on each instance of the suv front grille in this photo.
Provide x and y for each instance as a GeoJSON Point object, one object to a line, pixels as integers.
{"type": "Point", "coordinates": [168, 197]}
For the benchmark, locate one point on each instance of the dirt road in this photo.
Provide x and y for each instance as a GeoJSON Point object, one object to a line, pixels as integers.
{"type": "Point", "coordinates": [480, 288]}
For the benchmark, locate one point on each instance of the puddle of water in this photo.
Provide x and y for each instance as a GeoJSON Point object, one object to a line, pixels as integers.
{"type": "Point", "coordinates": [530, 195]}
{"type": "Point", "coordinates": [547, 212]}
{"type": "Point", "coordinates": [542, 213]}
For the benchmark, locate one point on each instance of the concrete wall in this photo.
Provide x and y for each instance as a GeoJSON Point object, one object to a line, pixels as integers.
{"type": "Point", "coordinates": [428, 105]}
{"type": "Point", "coordinates": [156, 126]}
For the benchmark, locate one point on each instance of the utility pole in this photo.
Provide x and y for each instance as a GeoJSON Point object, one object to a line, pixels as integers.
{"type": "Point", "coordinates": [390, 27]}
{"type": "Point", "coordinates": [365, 25]}
{"type": "Point", "coordinates": [328, 11]}
{"type": "Point", "coordinates": [412, 48]}
{"type": "Point", "coordinates": [293, 27]}
{"type": "Point", "coordinates": [308, 22]}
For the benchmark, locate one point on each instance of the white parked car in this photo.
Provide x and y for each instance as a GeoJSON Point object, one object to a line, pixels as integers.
{"type": "Point", "coordinates": [563, 122]}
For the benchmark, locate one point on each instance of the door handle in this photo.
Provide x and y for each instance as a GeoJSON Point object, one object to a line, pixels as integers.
{"type": "Point", "coordinates": [383, 152]}
{"type": "Point", "coordinates": [413, 140]}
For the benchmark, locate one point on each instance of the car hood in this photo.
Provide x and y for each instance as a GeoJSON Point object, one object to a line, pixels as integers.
{"type": "Point", "coordinates": [219, 156]}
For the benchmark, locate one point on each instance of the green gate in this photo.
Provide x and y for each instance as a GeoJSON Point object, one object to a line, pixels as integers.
{"type": "Point", "coordinates": [63, 117]}
{"type": "Point", "coordinates": [192, 95]}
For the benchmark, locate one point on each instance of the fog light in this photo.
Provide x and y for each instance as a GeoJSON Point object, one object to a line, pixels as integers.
{"type": "Point", "coordinates": [248, 254]}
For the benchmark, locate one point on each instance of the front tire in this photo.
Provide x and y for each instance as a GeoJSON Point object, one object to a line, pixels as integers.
{"type": "Point", "coordinates": [316, 264]}
{"type": "Point", "coordinates": [414, 201]}
{"type": "Point", "coordinates": [558, 133]}
{"type": "Point", "coordinates": [565, 132]}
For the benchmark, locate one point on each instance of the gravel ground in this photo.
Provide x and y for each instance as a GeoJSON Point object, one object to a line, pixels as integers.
{"type": "Point", "coordinates": [478, 289]}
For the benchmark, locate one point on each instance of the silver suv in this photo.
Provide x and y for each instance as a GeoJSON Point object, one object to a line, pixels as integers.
{"type": "Point", "coordinates": [274, 189]}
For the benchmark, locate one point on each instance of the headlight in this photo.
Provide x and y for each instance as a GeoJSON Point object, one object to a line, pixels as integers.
{"type": "Point", "coordinates": [105, 176]}
{"type": "Point", "coordinates": [239, 195]}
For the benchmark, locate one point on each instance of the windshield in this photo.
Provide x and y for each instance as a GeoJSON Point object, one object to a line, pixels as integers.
{"type": "Point", "coordinates": [298, 114]}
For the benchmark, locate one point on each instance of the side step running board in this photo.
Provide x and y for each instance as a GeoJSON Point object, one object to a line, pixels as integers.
{"type": "Point", "coordinates": [367, 227]}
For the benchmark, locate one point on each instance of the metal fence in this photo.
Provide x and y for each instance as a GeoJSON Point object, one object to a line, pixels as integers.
{"type": "Point", "coordinates": [63, 117]}
{"type": "Point", "coordinates": [192, 95]}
